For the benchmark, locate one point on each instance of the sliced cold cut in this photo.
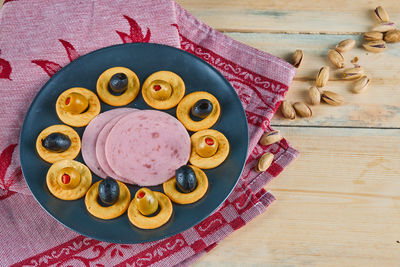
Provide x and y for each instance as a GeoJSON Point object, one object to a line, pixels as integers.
{"type": "Point", "coordinates": [101, 142]}
{"type": "Point", "coordinates": [146, 147]}
{"type": "Point", "coordinates": [90, 136]}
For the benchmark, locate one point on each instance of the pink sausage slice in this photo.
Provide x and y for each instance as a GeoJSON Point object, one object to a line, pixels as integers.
{"type": "Point", "coordinates": [146, 147]}
{"type": "Point", "coordinates": [100, 146]}
{"type": "Point", "coordinates": [89, 138]}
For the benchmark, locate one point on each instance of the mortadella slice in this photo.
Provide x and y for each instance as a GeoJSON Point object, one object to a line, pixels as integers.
{"type": "Point", "coordinates": [146, 147]}
{"type": "Point", "coordinates": [89, 138]}
{"type": "Point", "coordinates": [100, 146]}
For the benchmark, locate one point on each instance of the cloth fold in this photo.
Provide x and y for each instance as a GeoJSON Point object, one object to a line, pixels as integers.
{"type": "Point", "coordinates": [38, 37]}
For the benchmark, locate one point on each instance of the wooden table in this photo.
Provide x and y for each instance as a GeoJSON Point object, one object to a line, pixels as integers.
{"type": "Point", "coordinates": [338, 204]}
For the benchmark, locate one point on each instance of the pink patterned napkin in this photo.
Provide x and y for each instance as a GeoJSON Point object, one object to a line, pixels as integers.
{"type": "Point", "coordinates": [38, 37]}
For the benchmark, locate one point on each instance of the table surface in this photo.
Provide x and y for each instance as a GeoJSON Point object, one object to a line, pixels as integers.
{"type": "Point", "coordinates": [338, 204]}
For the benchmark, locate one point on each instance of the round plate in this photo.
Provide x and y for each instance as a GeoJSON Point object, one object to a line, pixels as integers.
{"type": "Point", "coordinates": [143, 59]}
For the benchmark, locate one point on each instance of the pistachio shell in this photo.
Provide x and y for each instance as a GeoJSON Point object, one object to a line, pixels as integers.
{"type": "Point", "coordinates": [375, 46]}
{"type": "Point", "coordinates": [381, 14]}
{"type": "Point", "coordinates": [336, 58]}
{"type": "Point", "coordinates": [392, 36]}
{"type": "Point", "coordinates": [302, 109]}
{"type": "Point", "coordinates": [373, 36]}
{"type": "Point", "coordinates": [353, 73]}
{"type": "Point", "coordinates": [332, 98]}
{"type": "Point", "coordinates": [288, 110]}
{"type": "Point", "coordinates": [384, 27]}
{"type": "Point", "coordinates": [298, 58]}
{"type": "Point", "coordinates": [322, 76]}
{"type": "Point", "coordinates": [345, 45]}
{"type": "Point", "coordinates": [315, 95]}
{"type": "Point", "coordinates": [361, 84]}
{"type": "Point", "coordinates": [270, 138]}
{"type": "Point", "coordinates": [264, 162]}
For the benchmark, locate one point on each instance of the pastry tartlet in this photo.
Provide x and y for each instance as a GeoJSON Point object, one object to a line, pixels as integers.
{"type": "Point", "coordinates": [138, 219]}
{"type": "Point", "coordinates": [127, 96]}
{"type": "Point", "coordinates": [68, 179]}
{"type": "Point", "coordinates": [52, 156]}
{"type": "Point", "coordinates": [163, 90]}
{"type": "Point", "coordinates": [170, 189]}
{"type": "Point", "coordinates": [185, 106]}
{"type": "Point", "coordinates": [77, 119]}
{"type": "Point", "coordinates": [107, 212]}
{"type": "Point", "coordinates": [214, 160]}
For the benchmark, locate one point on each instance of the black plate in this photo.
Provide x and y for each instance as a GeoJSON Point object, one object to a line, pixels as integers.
{"type": "Point", "coordinates": [143, 59]}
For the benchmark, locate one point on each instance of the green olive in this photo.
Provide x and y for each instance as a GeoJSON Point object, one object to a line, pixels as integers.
{"type": "Point", "coordinates": [76, 103]}
{"type": "Point", "coordinates": [160, 90]}
{"type": "Point", "coordinates": [206, 146]}
{"type": "Point", "coordinates": [68, 177]}
{"type": "Point", "coordinates": [146, 201]}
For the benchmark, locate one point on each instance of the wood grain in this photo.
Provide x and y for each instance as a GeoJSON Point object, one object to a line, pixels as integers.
{"type": "Point", "coordinates": [325, 16]}
{"type": "Point", "coordinates": [378, 107]}
{"type": "Point", "coordinates": [338, 204]}
{"type": "Point", "coordinates": [316, 46]}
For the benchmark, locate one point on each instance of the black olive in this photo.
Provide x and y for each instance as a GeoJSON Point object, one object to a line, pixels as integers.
{"type": "Point", "coordinates": [108, 191]}
{"type": "Point", "coordinates": [56, 142]}
{"type": "Point", "coordinates": [202, 108]}
{"type": "Point", "coordinates": [185, 179]}
{"type": "Point", "coordinates": [118, 82]}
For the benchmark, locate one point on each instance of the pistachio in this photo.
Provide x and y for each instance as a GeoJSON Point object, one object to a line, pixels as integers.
{"type": "Point", "coordinates": [392, 36]}
{"type": "Point", "coordinates": [298, 58]}
{"type": "Point", "coordinates": [332, 98]}
{"type": "Point", "coordinates": [288, 110]}
{"type": "Point", "coordinates": [302, 109]}
{"type": "Point", "coordinates": [315, 95]}
{"type": "Point", "coordinates": [361, 84]}
{"type": "Point", "coordinates": [384, 27]}
{"type": "Point", "coordinates": [375, 46]}
{"type": "Point", "coordinates": [373, 36]}
{"type": "Point", "coordinates": [322, 76]}
{"type": "Point", "coordinates": [336, 58]}
{"type": "Point", "coordinates": [270, 138]}
{"type": "Point", "coordinates": [345, 45]}
{"type": "Point", "coordinates": [381, 14]}
{"type": "Point", "coordinates": [264, 162]}
{"type": "Point", "coordinates": [353, 73]}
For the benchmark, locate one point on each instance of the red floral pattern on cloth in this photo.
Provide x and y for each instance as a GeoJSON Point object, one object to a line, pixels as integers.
{"type": "Point", "coordinates": [50, 67]}
{"type": "Point", "coordinates": [261, 82]}
{"type": "Point", "coordinates": [6, 1]}
{"type": "Point", "coordinates": [5, 194]}
{"type": "Point", "coordinates": [5, 69]}
{"type": "Point", "coordinates": [135, 34]}
{"type": "Point", "coordinates": [241, 206]}
{"type": "Point", "coordinates": [5, 161]}
{"type": "Point", "coordinates": [245, 82]}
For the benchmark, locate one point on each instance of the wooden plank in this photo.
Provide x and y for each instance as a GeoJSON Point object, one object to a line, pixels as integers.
{"type": "Point", "coordinates": [338, 205]}
{"type": "Point", "coordinates": [338, 5]}
{"type": "Point", "coordinates": [289, 16]}
{"type": "Point", "coordinates": [315, 47]}
{"type": "Point", "coordinates": [378, 107]}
